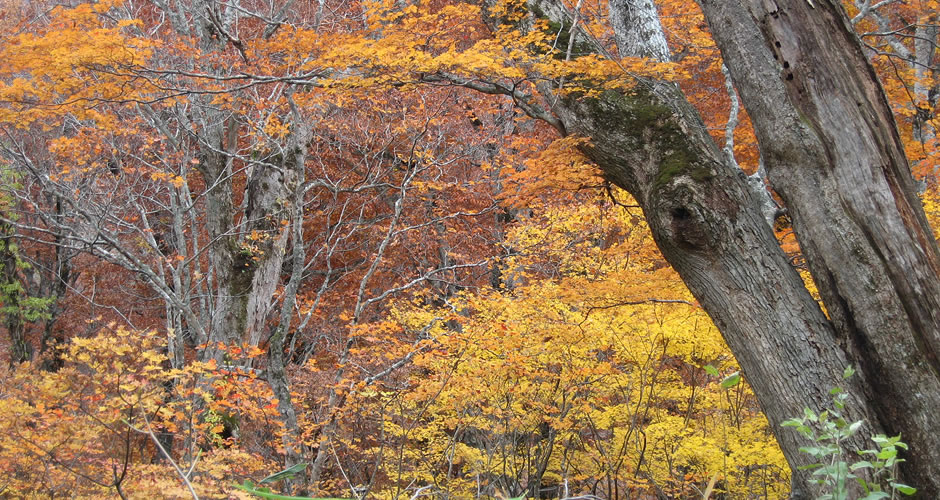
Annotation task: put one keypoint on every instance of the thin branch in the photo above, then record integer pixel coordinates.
(153, 437)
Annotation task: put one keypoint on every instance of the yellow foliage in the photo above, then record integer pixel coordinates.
(77, 63)
(82, 429)
(931, 200)
(589, 368)
(560, 166)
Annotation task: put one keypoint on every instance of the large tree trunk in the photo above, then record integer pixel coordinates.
(832, 150)
(246, 256)
(708, 224)
(837, 161)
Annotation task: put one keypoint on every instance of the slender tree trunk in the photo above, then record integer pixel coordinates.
(295, 450)
(227, 322)
(58, 287)
(10, 290)
(925, 47)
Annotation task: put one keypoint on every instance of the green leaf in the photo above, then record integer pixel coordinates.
(809, 414)
(880, 439)
(861, 482)
(864, 464)
(875, 495)
(811, 450)
(887, 453)
(903, 488)
(711, 370)
(854, 426)
(265, 493)
(285, 474)
(731, 380)
(849, 371)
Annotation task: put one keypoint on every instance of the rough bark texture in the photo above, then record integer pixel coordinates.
(709, 226)
(832, 150)
(638, 30)
(215, 168)
(247, 256)
(833, 153)
(294, 449)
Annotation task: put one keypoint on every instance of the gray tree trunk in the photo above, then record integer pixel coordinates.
(833, 152)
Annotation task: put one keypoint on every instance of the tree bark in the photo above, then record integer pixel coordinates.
(832, 150)
(708, 224)
(247, 257)
(295, 451)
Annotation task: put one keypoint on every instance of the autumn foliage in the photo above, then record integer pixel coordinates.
(338, 233)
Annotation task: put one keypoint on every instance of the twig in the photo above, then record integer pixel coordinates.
(343, 472)
(420, 491)
(160, 447)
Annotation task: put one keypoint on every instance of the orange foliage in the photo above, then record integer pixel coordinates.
(476, 308)
(89, 429)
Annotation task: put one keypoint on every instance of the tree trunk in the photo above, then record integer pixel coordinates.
(295, 450)
(247, 256)
(832, 150)
(10, 289)
(227, 320)
(708, 224)
(850, 194)
(58, 284)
